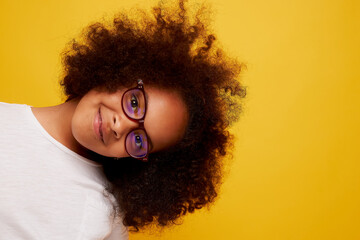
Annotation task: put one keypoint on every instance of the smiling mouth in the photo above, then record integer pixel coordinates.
(100, 127)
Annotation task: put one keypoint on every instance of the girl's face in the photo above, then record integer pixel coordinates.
(165, 121)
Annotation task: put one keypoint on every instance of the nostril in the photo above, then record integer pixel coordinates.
(115, 133)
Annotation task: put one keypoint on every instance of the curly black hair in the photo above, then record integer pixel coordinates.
(168, 50)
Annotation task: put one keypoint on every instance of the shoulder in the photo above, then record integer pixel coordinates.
(12, 113)
(118, 231)
(12, 106)
(100, 219)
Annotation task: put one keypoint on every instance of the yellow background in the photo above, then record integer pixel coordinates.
(296, 172)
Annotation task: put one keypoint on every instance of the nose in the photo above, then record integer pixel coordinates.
(122, 125)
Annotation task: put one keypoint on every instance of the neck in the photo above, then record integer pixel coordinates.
(56, 120)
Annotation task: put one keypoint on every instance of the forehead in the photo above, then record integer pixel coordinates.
(166, 117)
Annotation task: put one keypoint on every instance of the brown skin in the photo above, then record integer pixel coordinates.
(71, 123)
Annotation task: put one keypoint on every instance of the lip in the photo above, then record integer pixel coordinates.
(98, 126)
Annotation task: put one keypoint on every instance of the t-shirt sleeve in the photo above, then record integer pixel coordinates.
(119, 232)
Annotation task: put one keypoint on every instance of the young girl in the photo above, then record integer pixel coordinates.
(139, 140)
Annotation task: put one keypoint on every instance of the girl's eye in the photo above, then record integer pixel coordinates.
(134, 102)
(138, 141)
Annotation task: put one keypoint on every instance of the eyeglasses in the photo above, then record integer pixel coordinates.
(133, 104)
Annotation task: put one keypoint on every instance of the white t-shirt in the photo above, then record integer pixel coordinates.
(48, 191)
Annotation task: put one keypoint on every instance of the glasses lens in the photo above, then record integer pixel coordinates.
(134, 104)
(137, 143)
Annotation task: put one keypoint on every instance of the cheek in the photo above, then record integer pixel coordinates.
(81, 126)
(114, 150)
(79, 132)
